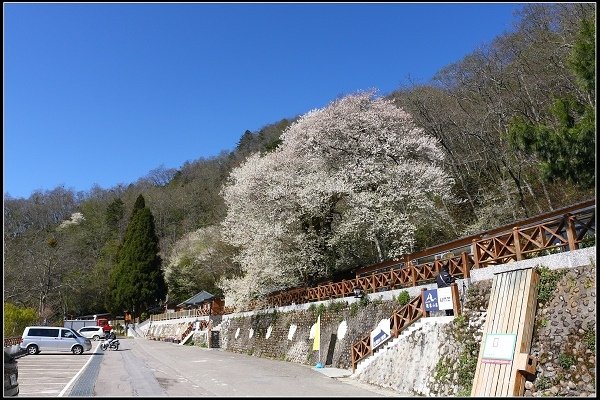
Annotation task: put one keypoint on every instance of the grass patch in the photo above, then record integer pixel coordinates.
(565, 360)
(548, 282)
(590, 339)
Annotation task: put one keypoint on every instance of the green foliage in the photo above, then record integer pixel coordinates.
(566, 360)
(588, 240)
(548, 281)
(583, 56)
(114, 213)
(321, 309)
(441, 370)
(354, 308)
(589, 339)
(543, 383)
(403, 298)
(137, 283)
(364, 300)
(467, 364)
(336, 306)
(565, 144)
(460, 321)
(17, 318)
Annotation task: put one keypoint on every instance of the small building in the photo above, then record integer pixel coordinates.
(204, 301)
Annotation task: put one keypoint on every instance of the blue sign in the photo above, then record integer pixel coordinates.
(379, 338)
(431, 300)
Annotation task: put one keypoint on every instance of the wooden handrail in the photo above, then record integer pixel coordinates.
(11, 341)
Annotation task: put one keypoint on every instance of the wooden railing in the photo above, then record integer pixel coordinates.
(197, 312)
(399, 320)
(564, 233)
(546, 233)
(11, 341)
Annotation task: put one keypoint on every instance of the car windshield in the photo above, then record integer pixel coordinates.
(77, 333)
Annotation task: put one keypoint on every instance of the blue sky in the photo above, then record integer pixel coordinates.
(104, 93)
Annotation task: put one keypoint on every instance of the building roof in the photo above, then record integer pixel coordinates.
(196, 299)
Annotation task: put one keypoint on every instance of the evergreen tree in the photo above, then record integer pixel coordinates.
(137, 282)
(565, 145)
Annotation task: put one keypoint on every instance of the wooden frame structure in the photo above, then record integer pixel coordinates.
(511, 313)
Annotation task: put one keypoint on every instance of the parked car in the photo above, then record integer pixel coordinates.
(92, 332)
(53, 338)
(11, 375)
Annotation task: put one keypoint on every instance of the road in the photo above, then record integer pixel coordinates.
(146, 368)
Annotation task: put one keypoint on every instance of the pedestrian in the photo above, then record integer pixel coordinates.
(445, 279)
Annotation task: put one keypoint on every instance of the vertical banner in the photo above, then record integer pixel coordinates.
(317, 342)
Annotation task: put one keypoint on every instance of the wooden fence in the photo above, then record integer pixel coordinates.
(561, 230)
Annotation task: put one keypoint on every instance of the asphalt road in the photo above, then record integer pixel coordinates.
(150, 368)
(145, 368)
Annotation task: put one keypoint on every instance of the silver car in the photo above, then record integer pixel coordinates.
(92, 332)
(53, 338)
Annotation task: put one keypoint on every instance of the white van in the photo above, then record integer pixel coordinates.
(53, 338)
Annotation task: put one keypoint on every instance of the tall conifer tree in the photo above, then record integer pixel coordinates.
(138, 281)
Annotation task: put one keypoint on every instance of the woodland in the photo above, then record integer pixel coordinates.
(505, 133)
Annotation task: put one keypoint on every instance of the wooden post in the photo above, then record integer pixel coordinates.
(353, 360)
(455, 299)
(517, 243)
(475, 252)
(464, 259)
(571, 233)
(423, 312)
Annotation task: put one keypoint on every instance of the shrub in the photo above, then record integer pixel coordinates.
(364, 300)
(17, 318)
(590, 339)
(565, 360)
(542, 383)
(403, 298)
(354, 309)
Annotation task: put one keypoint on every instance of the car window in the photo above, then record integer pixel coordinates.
(67, 334)
(45, 332)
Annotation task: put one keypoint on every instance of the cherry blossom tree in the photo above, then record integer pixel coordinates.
(348, 185)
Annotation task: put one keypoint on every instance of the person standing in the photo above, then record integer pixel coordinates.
(445, 279)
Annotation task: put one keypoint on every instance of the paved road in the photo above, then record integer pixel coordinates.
(148, 368)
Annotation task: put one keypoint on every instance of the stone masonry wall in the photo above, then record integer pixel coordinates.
(268, 334)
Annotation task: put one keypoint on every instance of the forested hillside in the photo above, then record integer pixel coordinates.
(505, 133)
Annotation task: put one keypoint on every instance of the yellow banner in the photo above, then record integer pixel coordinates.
(317, 342)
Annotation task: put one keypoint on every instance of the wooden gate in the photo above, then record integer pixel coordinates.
(504, 359)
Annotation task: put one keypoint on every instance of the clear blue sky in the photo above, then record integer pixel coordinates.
(104, 93)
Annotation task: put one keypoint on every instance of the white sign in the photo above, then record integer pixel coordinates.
(445, 298)
(499, 348)
(381, 333)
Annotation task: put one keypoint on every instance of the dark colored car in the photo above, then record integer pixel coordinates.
(11, 375)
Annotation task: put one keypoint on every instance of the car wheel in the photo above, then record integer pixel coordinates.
(32, 349)
(77, 350)
(96, 338)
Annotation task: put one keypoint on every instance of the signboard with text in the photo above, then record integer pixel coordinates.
(499, 348)
(438, 299)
